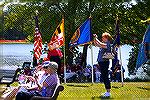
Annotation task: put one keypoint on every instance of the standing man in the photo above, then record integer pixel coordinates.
(56, 55)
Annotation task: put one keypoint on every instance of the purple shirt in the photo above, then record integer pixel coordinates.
(52, 81)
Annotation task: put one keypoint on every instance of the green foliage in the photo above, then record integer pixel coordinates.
(103, 17)
(75, 12)
(132, 59)
(1, 24)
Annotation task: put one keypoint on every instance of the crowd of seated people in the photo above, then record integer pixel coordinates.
(77, 73)
(45, 76)
(115, 72)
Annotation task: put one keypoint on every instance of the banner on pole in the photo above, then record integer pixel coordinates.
(37, 41)
(82, 34)
(57, 39)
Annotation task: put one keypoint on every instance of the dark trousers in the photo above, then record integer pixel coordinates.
(26, 95)
(58, 61)
(104, 73)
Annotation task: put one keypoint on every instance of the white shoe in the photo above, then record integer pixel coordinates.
(106, 94)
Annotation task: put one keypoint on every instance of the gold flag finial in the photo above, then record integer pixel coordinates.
(36, 12)
(144, 21)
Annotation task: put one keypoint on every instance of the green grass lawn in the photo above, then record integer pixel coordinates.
(89, 91)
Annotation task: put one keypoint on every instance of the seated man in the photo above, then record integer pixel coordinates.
(49, 80)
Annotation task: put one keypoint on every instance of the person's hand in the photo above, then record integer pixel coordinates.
(30, 78)
(95, 36)
(36, 78)
(95, 39)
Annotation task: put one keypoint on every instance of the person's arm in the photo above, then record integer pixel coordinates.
(32, 88)
(32, 79)
(38, 84)
(99, 43)
(44, 84)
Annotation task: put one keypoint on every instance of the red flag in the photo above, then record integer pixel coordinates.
(37, 44)
(57, 39)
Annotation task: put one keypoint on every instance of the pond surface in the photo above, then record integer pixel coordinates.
(13, 55)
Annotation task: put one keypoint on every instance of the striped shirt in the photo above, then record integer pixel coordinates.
(52, 81)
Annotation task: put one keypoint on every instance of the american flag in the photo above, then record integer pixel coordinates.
(57, 39)
(37, 41)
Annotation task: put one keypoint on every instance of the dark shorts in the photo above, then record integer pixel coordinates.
(26, 95)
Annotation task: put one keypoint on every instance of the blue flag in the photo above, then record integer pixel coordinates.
(144, 47)
(82, 34)
(115, 45)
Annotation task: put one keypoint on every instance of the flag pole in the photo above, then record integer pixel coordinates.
(119, 52)
(121, 67)
(91, 52)
(92, 63)
(64, 65)
(64, 58)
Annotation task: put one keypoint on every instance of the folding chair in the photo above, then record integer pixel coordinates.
(54, 97)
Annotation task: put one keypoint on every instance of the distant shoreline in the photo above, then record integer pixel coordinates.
(13, 41)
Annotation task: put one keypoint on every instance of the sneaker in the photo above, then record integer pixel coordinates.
(106, 94)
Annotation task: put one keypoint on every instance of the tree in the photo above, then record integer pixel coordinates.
(75, 12)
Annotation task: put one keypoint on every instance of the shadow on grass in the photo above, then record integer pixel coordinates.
(116, 87)
(144, 88)
(78, 85)
(102, 98)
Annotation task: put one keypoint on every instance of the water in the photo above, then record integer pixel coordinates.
(13, 55)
